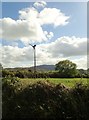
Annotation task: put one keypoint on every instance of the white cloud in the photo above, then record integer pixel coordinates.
(28, 13)
(81, 62)
(53, 16)
(68, 46)
(71, 48)
(22, 30)
(49, 35)
(40, 4)
(15, 56)
(46, 16)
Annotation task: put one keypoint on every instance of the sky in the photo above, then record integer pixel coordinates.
(59, 29)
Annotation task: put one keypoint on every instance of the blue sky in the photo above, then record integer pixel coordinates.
(77, 26)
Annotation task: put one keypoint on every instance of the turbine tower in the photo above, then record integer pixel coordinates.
(34, 48)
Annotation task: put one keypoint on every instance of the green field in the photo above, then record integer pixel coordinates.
(69, 82)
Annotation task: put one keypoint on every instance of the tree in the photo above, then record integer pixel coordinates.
(66, 68)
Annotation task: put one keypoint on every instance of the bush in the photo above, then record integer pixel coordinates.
(25, 73)
(45, 100)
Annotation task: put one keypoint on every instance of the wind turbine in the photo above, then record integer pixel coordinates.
(34, 48)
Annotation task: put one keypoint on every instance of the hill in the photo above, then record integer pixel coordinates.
(45, 67)
(39, 68)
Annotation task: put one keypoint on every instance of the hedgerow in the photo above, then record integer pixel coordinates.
(44, 100)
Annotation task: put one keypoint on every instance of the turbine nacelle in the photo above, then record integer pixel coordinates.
(33, 46)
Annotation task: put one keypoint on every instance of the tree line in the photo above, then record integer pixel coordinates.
(63, 69)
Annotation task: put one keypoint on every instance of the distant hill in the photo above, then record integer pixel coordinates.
(39, 68)
(45, 67)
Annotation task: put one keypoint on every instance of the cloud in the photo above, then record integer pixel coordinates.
(53, 16)
(49, 35)
(81, 62)
(15, 56)
(28, 13)
(40, 4)
(46, 16)
(71, 48)
(68, 46)
(22, 30)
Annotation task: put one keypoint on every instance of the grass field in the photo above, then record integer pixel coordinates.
(69, 82)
